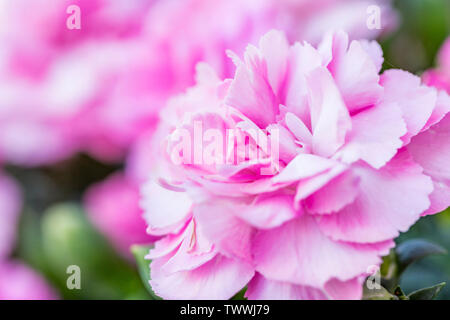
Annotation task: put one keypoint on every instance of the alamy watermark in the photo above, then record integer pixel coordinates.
(74, 20)
(373, 21)
(225, 147)
(373, 281)
(74, 280)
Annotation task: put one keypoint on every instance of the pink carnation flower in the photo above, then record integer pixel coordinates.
(355, 158)
(113, 206)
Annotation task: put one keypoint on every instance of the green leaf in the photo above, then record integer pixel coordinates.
(410, 251)
(240, 295)
(427, 293)
(377, 294)
(139, 252)
(388, 271)
(69, 239)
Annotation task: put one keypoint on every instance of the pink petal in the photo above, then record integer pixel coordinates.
(431, 149)
(218, 222)
(348, 290)
(304, 166)
(303, 59)
(357, 77)
(375, 136)
(307, 187)
(439, 198)
(193, 251)
(262, 289)
(250, 92)
(335, 195)
(329, 116)
(375, 51)
(218, 279)
(164, 209)
(441, 109)
(416, 101)
(390, 201)
(268, 211)
(298, 252)
(275, 49)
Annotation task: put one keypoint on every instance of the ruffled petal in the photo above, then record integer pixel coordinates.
(218, 279)
(164, 210)
(300, 253)
(390, 201)
(375, 136)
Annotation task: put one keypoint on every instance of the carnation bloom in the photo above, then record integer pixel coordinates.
(351, 160)
(112, 205)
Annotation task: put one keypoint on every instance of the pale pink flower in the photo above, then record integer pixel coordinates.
(350, 175)
(113, 207)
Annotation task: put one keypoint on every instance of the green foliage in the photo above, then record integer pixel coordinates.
(411, 251)
(64, 237)
(426, 293)
(393, 267)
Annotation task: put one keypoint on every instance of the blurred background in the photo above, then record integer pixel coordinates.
(78, 168)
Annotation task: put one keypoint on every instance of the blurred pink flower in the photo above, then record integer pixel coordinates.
(350, 175)
(440, 77)
(19, 282)
(97, 89)
(65, 90)
(113, 207)
(309, 20)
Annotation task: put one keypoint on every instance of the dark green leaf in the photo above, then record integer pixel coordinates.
(412, 250)
(240, 295)
(426, 293)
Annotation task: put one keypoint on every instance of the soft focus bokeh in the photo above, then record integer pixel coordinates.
(79, 109)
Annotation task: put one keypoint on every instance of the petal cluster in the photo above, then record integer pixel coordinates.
(330, 161)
